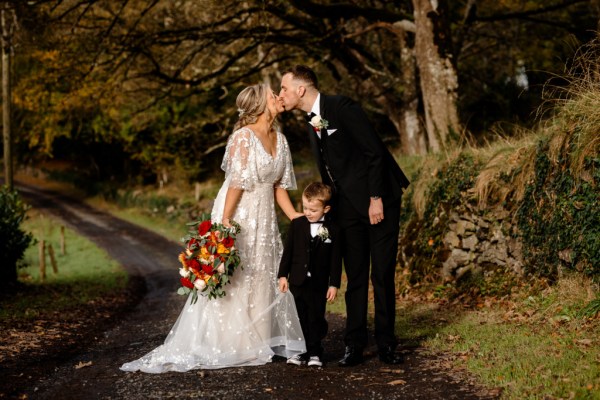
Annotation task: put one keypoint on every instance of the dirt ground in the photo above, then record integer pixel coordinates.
(84, 363)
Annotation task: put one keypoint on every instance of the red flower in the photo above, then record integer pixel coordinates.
(204, 227)
(187, 283)
(208, 269)
(191, 242)
(228, 242)
(194, 265)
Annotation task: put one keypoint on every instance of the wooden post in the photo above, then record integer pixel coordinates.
(52, 259)
(42, 260)
(63, 250)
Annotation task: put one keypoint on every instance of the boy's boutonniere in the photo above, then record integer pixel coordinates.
(323, 233)
(318, 123)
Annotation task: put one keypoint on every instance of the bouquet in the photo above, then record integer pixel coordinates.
(209, 259)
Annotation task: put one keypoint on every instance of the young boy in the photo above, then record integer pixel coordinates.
(312, 260)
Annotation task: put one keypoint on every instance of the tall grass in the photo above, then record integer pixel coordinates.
(572, 130)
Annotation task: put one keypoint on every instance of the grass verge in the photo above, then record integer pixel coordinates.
(85, 273)
(533, 346)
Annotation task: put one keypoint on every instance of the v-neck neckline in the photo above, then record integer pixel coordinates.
(263, 146)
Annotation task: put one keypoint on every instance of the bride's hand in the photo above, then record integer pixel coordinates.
(226, 223)
(297, 215)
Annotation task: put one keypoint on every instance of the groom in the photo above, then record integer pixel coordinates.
(368, 185)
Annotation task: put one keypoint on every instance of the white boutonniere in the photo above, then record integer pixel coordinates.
(323, 233)
(318, 123)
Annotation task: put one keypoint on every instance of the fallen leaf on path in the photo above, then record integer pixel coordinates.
(392, 371)
(83, 364)
(397, 382)
(585, 342)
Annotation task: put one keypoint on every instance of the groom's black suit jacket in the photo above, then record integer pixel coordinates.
(323, 259)
(359, 161)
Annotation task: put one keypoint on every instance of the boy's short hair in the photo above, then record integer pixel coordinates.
(318, 191)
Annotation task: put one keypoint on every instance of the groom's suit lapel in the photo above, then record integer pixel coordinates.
(322, 106)
(314, 141)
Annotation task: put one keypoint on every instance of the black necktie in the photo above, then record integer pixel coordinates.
(309, 116)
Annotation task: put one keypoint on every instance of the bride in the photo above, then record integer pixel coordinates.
(254, 321)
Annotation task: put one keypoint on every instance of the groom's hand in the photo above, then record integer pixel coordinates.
(283, 284)
(331, 293)
(376, 210)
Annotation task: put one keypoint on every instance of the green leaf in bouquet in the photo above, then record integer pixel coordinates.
(183, 291)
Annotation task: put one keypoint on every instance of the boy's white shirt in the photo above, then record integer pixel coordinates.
(315, 227)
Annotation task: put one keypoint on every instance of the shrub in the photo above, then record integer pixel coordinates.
(13, 240)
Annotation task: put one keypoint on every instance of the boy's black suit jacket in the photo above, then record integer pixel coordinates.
(297, 255)
(359, 161)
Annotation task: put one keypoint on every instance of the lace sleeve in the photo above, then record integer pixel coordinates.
(239, 162)
(288, 179)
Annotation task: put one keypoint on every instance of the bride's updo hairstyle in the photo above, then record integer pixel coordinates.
(251, 103)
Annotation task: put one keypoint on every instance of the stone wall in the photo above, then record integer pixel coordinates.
(479, 243)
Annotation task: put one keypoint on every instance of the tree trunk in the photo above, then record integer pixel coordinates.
(7, 17)
(438, 78)
(414, 140)
(404, 114)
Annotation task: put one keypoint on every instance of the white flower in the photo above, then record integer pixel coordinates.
(323, 233)
(184, 272)
(319, 122)
(199, 284)
(221, 268)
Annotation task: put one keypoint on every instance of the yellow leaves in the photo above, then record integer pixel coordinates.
(46, 55)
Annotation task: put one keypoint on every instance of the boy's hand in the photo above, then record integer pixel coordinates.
(331, 293)
(283, 284)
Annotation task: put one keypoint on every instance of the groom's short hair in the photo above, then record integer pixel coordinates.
(303, 73)
(318, 191)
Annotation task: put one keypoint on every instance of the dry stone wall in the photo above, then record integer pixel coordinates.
(479, 243)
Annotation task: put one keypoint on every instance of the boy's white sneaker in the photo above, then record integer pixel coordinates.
(315, 361)
(298, 359)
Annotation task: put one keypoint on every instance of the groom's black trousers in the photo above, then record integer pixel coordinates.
(365, 246)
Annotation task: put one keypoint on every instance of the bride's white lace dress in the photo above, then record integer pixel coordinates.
(254, 321)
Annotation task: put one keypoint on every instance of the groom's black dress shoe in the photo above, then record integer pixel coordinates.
(352, 357)
(388, 355)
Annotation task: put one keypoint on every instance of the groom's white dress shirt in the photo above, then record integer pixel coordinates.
(316, 108)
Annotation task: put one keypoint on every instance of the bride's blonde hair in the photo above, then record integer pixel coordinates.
(251, 103)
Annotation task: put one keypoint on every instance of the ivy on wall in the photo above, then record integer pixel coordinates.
(559, 217)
